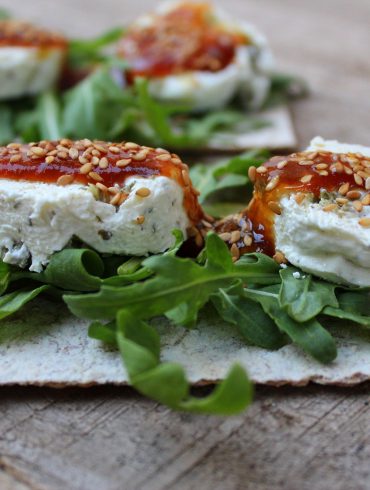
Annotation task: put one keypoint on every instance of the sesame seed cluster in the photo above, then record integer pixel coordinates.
(19, 33)
(345, 175)
(237, 232)
(102, 165)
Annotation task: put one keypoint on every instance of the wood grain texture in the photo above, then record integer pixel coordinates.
(111, 439)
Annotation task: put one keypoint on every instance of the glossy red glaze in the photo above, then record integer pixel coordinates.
(339, 172)
(186, 38)
(23, 34)
(22, 164)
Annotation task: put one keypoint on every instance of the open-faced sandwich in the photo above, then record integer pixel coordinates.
(94, 221)
(193, 53)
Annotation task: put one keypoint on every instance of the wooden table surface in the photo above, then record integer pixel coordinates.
(109, 438)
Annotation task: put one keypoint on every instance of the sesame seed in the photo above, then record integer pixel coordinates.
(341, 200)
(305, 162)
(73, 153)
(82, 160)
(95, 160)
(273, 183)
(101, 187)
(353, 195)
(131, 146)
(86, 168)
(261, 170)
(113, 190)
(225, 236)
(115, 199)
(65, 179)
(199, 240)
(299, 198)
(279, 257)
(15, 158)
(358, 206)
(367, 184)
(358, 179)
(235, 251)
(103, 162)
(164, 157)
(95, 176)
(49, 159)
(160, 150)
(40, 152)
(274, 206)
(235, 236)
(323, 173)
(306, 179)
(175, 161)
(365, 222)
(140, 219)
(206, 224)
(366, 200)
(143, 192)
(122, 198)
(348, 171)
(114, 149)
(123, 162)
(329, 207)
(100, 148)
(282, 164)
(62, 155)
(252, 174)
(185, 177)
(343, 189)
(247, 240)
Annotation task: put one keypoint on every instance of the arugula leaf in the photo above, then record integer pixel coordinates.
(133, 271)
(6, 124)
(211, 178)
(353, 305)
(12, 302)
(5, 274)
(82, 52)
(71, 269)
(49, 116)
(166, 383)
(253, 323)
(304, 298)
(92, 107)
(177, 282)
(309, 335)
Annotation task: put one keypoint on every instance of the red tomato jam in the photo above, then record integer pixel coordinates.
(187, 38)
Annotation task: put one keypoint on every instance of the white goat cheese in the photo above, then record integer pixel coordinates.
(332, 245)
(38, 219)
(28, 70)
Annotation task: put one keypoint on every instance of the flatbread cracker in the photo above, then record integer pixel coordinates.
(44, 345)
(279, 134)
